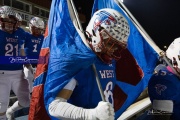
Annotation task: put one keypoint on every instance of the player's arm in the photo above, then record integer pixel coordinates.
(61, 109)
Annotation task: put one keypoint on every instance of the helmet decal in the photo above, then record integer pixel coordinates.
(104, 17)
(6, 11)
(37, 22)
(36, 26)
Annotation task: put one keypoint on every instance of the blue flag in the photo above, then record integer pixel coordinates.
(66, 54)
(134, 74)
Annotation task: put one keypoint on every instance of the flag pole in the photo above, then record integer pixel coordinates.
(76, 15)
(98, 83)
(160, 52)
(73, 8)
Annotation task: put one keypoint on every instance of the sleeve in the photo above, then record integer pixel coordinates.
(71, 85)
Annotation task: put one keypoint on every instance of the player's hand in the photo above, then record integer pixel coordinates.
(30, 68)
(34, 70)
(104, 111)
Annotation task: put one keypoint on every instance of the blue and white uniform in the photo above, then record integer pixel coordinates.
(11, 74)
(87, 86)
(33, 45)
(32, 49)
(10, 48)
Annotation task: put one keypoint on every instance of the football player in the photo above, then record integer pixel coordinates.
(78, 98)
(11, 74)
(164, 86)
(33, 44)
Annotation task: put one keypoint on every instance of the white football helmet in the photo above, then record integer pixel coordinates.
(173, 53)
(8, 19)
(36, 26)
(19, 20)
(108, 32)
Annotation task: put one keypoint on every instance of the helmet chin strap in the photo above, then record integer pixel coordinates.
(117, 54)
(105, 58)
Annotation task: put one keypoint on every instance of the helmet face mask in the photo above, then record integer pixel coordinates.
(36, 26)
(110, 45)
(108, 31)
(36, 31)
(8, 24)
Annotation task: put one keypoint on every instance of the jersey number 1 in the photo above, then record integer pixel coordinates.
(35, 48)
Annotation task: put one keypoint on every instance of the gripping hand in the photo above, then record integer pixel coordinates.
(104, 111)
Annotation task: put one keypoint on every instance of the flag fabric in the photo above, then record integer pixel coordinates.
(65, 54)
(135, 67)
(37, 109)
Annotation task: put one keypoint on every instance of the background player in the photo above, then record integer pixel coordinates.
(33, 44)
(164, 86)
(11, 74)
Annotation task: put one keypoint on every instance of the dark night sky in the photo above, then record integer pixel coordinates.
(159, 18)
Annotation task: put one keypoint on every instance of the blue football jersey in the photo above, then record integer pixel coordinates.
(86, 94)
(33, 45)
(10, 45)
(166, 86)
